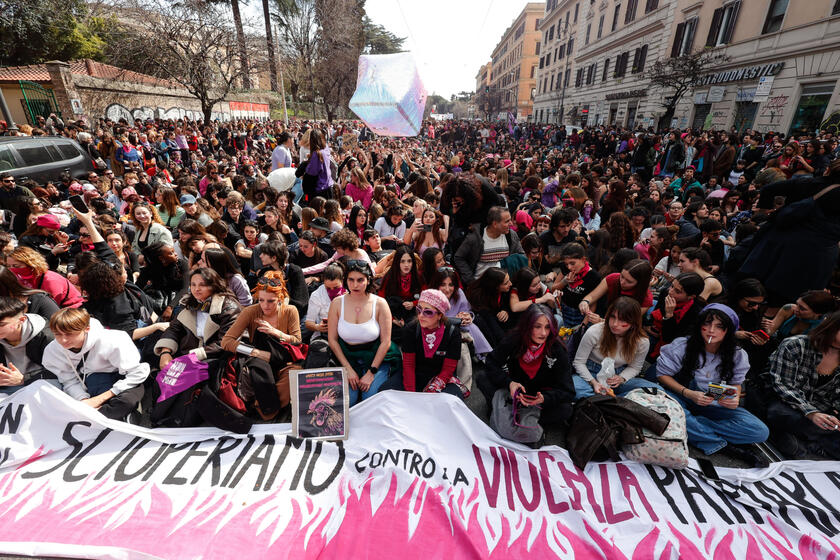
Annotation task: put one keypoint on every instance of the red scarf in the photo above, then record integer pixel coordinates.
(578, 279)
(531, 360)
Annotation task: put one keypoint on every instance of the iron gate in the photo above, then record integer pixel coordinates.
(37, 101)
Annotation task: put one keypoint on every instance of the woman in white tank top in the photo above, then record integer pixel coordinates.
(359, 333)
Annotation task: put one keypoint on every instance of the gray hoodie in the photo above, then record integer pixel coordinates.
(33, 325)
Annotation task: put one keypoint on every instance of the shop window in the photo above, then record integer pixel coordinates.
(775, 16)
(811, 108)
(700, 114)
(745, 115)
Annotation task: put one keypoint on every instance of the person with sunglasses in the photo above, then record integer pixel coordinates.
(431, 348)
(359, 333)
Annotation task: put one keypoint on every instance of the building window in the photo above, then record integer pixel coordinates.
(615, 17)
(621, 64)
(551, 83)
(567, 75)
(589, 30)
(579, 78)
(538, 48)
(577, 8)
(550, 34)
(651, 5)
(533, 70)
(775, 15)
(606, 69)
(684, 37)
(631, 10)
(559, 79)
(601, 26)
(562, 52)
(723, 24)
(536, 26)
(836, 9)
(810, 111)
(566, 25)
(570, 46)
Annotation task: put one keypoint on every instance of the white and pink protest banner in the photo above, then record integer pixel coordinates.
(419, 477)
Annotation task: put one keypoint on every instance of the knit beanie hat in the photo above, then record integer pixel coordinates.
(726, 310)
(436, 299)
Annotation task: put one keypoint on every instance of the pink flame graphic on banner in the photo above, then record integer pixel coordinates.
(380, 514)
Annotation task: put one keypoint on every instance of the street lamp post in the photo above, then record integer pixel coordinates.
(10, 122)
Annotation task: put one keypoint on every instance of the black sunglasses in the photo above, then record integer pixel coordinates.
(273, 282)
(358, 264)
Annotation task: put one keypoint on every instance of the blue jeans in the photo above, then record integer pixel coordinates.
(10, 389)
(711, 427)
(584, 389)
(378, 379)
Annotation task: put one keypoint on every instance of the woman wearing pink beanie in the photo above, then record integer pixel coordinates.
(431, 348)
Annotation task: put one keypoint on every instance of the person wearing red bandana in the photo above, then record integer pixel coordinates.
(677, 309)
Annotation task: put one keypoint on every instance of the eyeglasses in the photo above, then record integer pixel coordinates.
(426, 312)
(8, 180)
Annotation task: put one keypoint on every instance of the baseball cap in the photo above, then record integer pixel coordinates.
(187, 199)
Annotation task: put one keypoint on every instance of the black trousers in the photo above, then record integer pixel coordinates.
(120, 406)
(784, 418)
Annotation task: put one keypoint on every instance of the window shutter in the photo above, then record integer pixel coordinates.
(711, 40)
(690, 29)
(730, 26)
(642, 58)
(678, 38)
(635, 67)
(606, 69)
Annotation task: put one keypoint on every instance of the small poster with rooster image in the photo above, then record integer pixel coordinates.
(320, 403)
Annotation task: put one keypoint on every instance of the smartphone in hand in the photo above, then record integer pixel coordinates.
(79, 204)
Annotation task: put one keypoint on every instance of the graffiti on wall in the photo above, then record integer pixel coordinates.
(774, 107)
(117, 111)
(832, 123)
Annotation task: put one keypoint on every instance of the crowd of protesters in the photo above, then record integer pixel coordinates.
(537, 264)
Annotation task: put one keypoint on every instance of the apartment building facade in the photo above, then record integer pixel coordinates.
(782, 69)
(618, 40)
(557, 58)
(514, 64)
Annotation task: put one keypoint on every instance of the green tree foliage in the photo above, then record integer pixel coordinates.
(35, 31)
(379, 40)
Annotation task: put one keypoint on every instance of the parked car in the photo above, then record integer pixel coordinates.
(43, 158)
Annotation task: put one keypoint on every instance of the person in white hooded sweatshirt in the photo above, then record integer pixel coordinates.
(99, 367)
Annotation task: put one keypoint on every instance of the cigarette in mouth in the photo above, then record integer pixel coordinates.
(710, 340)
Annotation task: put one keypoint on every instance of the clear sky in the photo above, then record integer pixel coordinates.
(450, 39)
